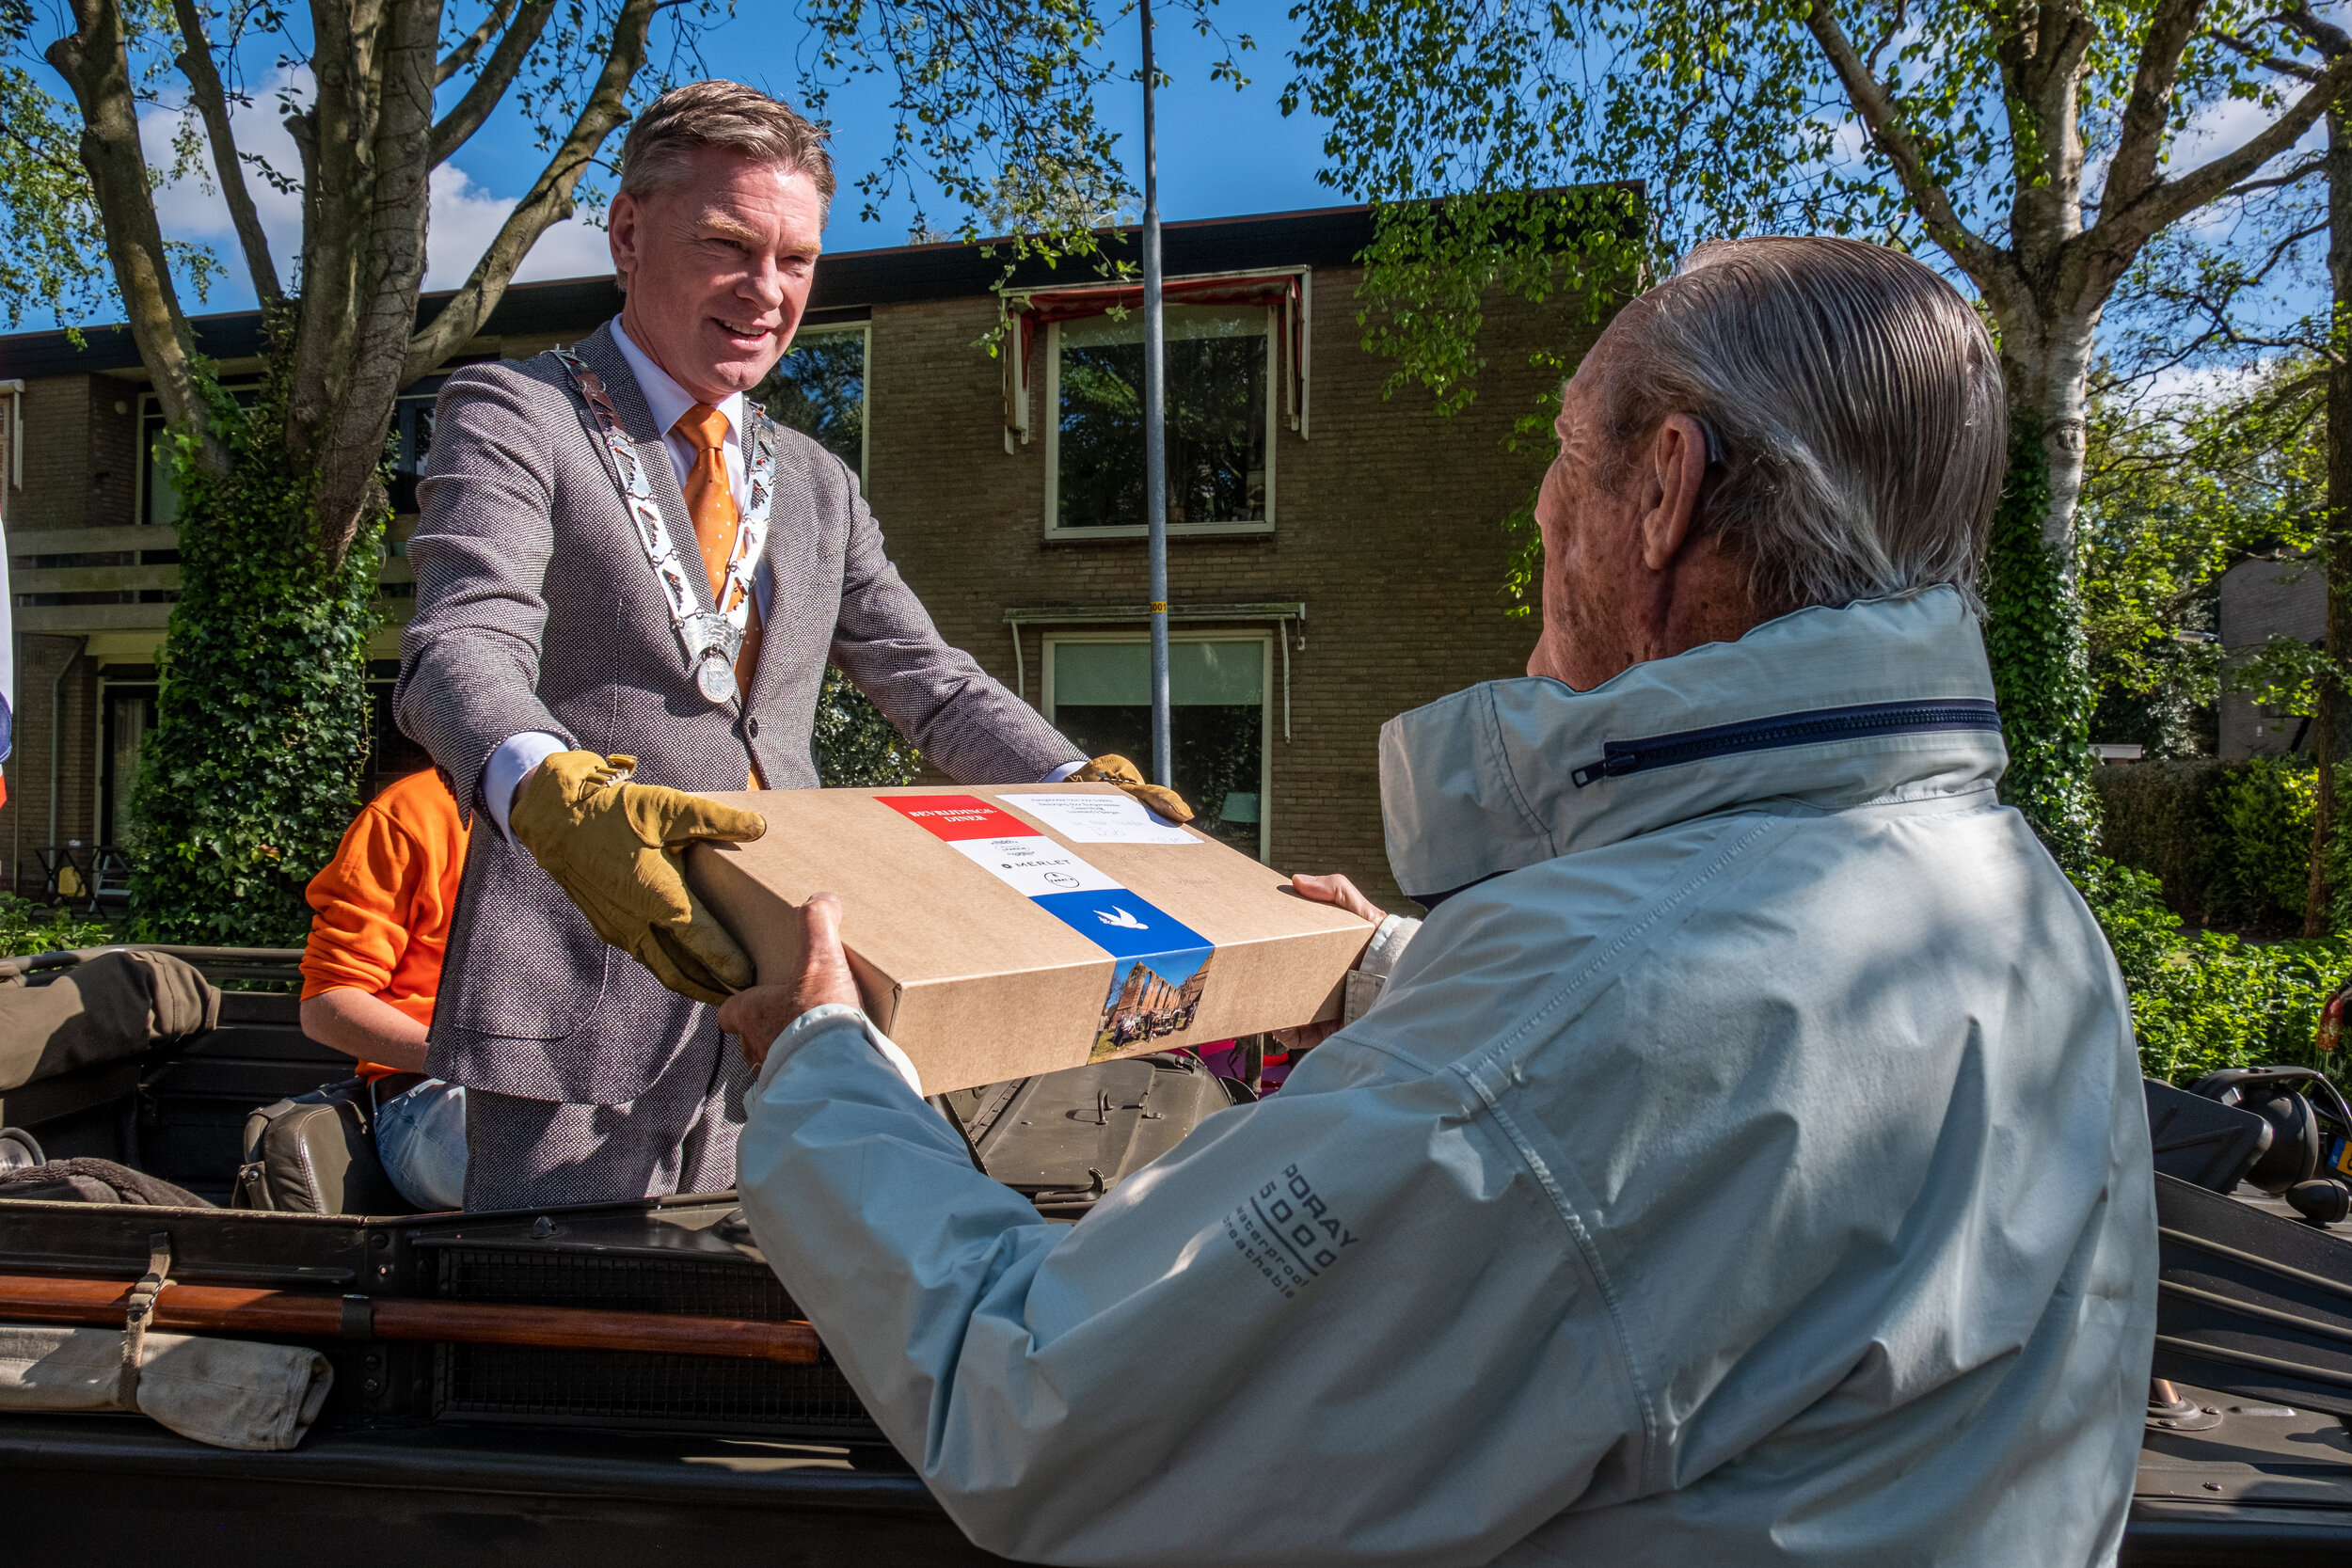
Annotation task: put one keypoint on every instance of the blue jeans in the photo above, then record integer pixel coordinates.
(421, 1137)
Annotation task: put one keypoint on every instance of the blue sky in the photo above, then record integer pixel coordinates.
(1221, 152)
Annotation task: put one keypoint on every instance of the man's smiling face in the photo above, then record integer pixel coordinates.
(718, 268)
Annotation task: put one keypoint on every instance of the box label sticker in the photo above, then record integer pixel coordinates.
(1033, 865)
(1100, 818)
(1159, 965)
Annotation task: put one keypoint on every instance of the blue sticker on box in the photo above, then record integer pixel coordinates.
(1159, 965)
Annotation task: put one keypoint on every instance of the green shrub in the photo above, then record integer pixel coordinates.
(2205, 1000)
(254, 768)
(29, 928)
(2157, 818)
(2231, 841)
(2265, 808)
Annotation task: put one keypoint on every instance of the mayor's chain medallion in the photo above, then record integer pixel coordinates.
(714, 679)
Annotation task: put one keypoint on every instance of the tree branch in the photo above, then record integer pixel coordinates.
(2269, 61)
(2125, 226)
(2293, 175)
(2330, 39)
(465, 115)
(212, 103)
(1884, 121)
(2150, 106)
(548, 202)
(95, 62)
(462, 56)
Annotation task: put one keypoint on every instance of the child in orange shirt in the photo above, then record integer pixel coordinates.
(373, 967)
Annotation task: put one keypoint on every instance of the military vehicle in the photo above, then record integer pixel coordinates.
(628, 1382)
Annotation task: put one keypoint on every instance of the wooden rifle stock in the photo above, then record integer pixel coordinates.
(243, 1310)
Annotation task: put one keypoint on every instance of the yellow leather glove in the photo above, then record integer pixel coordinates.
(1116, 770)
(617, 849)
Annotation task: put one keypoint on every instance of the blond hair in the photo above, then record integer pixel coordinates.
(720, 114)
(1856, 427)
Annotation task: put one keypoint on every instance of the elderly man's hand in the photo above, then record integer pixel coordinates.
(1325, 890)
(758, 1016)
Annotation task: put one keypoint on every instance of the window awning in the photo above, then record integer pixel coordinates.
(1288, 292)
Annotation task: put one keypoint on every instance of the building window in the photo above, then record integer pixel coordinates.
(159, 497)
(412, 441)
(391, 756)
(158, 504)
(818, 388)
(128, 716)
(1098, 692)
(1221, 429)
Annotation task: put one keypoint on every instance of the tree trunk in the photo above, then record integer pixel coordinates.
(2333, 725)
(379, 310)
(2033, 635)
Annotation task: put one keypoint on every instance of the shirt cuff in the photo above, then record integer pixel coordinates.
(822, 1017)
(1059, 775)
(509, 766)
(1369, 980)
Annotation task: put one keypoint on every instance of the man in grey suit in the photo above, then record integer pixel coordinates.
(558, 624)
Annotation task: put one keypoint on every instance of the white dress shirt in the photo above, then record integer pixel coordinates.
(518, 754)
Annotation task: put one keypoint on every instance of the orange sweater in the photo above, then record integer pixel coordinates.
(384, 902)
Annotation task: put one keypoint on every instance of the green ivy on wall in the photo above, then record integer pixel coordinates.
(255, 768)
(2033, 637)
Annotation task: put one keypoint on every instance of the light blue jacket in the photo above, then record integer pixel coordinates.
(1749, 1166)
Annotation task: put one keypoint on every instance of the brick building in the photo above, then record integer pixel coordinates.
(1335, 555)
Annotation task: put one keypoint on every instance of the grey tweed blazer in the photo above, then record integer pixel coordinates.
(535, 611)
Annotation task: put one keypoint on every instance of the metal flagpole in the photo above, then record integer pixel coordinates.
(1156, 426)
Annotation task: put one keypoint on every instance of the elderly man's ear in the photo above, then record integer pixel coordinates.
(1677, 465)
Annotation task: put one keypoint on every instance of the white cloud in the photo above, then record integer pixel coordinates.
(1850, 143)
(460, 221)
(2201, 383)
(464, 218)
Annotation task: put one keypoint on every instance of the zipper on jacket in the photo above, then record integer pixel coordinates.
(1789, 729)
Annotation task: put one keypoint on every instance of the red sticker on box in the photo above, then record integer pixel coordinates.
(955, 816)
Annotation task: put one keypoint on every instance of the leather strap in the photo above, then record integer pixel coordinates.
(137, 1313)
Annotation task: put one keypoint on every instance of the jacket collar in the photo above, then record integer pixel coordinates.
(1482, 781)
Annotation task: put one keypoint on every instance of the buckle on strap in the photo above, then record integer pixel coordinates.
(137, 1313)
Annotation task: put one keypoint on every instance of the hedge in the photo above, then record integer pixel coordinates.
(2205, 999)
(2230, 842)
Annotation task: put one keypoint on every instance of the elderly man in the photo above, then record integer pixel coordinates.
(1746, 1163)
(620, 553)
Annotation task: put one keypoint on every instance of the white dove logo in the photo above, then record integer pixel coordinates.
(1118, 916)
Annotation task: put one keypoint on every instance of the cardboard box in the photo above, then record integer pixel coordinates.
(1007, 930)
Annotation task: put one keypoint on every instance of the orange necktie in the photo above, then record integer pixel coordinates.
(711, 502)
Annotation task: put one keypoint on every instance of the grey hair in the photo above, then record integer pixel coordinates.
(1856, 427)
(720, 114)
